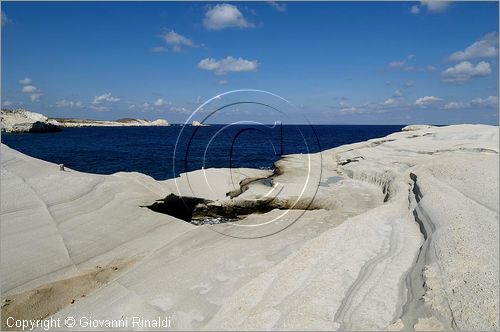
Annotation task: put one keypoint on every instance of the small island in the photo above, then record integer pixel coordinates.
(198, 124)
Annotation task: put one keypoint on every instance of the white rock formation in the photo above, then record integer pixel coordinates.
(400, 233)
(104, 123)
(198, 124)
(416, 127)
(160, 122)
(22, 121)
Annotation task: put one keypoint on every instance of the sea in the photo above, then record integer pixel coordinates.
(165, 152)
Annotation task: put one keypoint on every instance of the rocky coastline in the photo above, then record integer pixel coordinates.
(23, 121)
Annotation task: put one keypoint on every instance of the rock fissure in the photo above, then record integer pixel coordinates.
(414, 308)
(196, 210)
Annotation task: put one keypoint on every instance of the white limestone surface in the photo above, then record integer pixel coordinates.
(20, 121)
(397, 233)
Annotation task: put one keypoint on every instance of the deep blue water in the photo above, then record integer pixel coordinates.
(150, 150)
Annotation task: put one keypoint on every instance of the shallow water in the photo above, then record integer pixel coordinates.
(331, 180)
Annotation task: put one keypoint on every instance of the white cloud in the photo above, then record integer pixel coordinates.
(161, 102)
(427, 100)
(142, 107)
(4, 18)
(281, 7)
(400, 105)
(398, 93)
(158, 49)
(25, 81)
(29, 89)
(435, 6)
(69, 104)
(173, 38)
(100, 108)
(488, 102)
(107, 97)
(486, 47)
(407, 64)
(223, 16)
(35, 96)
(454, 105)
(179, 109)
(156, 105)
(347, 108)
(391, 101)
(371, 107)
(222, 82)
(401, 63)
(491, 101)
(7, 103)
(228, 64)
(464, 71)
(177, 41)
(393, 104)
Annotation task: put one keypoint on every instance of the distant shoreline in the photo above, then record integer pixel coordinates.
(23, 121)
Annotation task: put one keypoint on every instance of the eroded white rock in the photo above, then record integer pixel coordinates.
(415, 216)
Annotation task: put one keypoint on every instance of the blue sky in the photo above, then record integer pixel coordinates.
(338, 62)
